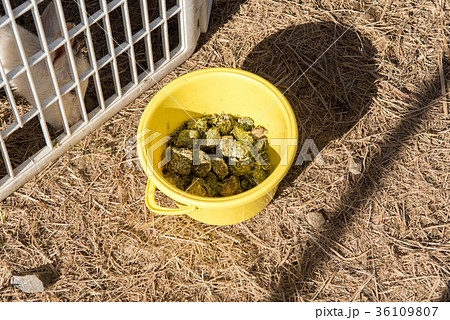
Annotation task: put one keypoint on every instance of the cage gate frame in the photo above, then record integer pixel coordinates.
(193, 18)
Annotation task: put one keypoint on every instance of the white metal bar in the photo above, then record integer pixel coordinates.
(91, 53)
(138, 36)
(156, 23)
(23, 8)
(205, 12)
(95, 17)
(51, 69)
(4, 20)
(104, 61)
(110, 43)
(129, 39)
(10, 96)
(6, 159)
(23, 57)
(165, 30)
(121, 48)
(147, 40)
(173, 11)
(32, 61)
(114, 5)
(69, 54)
(12, 127)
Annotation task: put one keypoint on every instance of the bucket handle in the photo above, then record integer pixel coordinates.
(153, 206)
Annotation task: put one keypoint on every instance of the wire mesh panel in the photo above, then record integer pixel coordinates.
(66, 66)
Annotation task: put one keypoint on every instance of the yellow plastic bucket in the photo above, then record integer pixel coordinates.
(209, 91)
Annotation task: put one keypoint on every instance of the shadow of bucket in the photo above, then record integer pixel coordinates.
(208, 91)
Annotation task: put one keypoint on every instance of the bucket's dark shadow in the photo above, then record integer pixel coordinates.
(352, 200)
(326, 71)
(328, 100)
(328, 74)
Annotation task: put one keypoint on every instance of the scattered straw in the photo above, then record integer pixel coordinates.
(375, 95)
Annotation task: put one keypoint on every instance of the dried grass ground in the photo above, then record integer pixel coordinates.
(376, 94)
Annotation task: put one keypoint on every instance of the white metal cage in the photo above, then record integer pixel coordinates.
(133, 43)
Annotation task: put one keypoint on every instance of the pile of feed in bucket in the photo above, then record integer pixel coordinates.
(217, 155)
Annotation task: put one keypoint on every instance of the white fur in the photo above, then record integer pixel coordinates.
(10, 58)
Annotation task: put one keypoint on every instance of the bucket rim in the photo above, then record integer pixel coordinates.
(256, 192)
